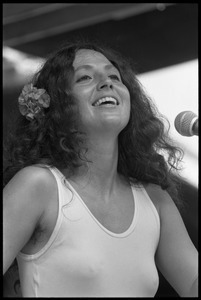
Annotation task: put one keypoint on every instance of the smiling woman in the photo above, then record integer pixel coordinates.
(98, 89)
(86, 180)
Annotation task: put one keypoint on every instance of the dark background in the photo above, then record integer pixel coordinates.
(154, 35)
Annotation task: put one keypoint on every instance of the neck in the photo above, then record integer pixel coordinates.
(100, 172)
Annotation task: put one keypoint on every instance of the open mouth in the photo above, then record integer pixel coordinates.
(106, 101)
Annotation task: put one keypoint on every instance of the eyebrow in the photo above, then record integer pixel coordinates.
(89, 67)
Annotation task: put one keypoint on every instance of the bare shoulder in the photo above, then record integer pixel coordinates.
(33, 181)
(31, 176)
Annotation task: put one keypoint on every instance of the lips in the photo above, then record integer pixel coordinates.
(109, 101)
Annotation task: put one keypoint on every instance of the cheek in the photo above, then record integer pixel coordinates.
(127, 105)
(82, 95)
(82, 100)
(127, 112)
(124, 92)
(126, 97)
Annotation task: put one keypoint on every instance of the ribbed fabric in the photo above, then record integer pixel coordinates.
(84, 259)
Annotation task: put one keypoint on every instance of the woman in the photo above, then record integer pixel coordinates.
(89, 183)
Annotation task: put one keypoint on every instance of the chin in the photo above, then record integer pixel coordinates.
(114, 124)
(108, 124)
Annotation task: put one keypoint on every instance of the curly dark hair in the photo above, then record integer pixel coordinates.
(146, 152)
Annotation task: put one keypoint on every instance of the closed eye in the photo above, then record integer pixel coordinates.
(84, 77)
(115, 77)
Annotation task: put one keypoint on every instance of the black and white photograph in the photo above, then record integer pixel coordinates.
(100, 150)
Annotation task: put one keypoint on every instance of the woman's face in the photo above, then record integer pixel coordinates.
(103, 100)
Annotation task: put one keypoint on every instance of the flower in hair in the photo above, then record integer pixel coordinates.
(32, 101)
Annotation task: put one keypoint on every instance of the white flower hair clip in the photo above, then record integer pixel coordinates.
(32, 101)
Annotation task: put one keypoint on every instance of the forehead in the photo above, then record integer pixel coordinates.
(88, 57)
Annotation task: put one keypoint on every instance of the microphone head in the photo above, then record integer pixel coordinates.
(184, 122)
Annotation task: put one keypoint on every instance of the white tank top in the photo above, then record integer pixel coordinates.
(84, 259)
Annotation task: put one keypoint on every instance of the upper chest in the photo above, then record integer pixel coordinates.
(116, 214)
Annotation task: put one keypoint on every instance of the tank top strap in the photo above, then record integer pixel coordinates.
(146, 202)
(64, 193)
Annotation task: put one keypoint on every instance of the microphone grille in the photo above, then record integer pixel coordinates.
(184, 122)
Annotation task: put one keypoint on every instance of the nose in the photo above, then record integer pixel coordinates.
(105, 84)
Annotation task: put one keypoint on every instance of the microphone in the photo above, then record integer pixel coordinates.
(186, 123)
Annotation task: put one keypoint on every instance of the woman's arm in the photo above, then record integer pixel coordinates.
(24, 199)
(176, 256)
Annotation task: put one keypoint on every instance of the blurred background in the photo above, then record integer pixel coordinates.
(161, 39)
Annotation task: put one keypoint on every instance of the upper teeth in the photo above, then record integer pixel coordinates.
(100, 101)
